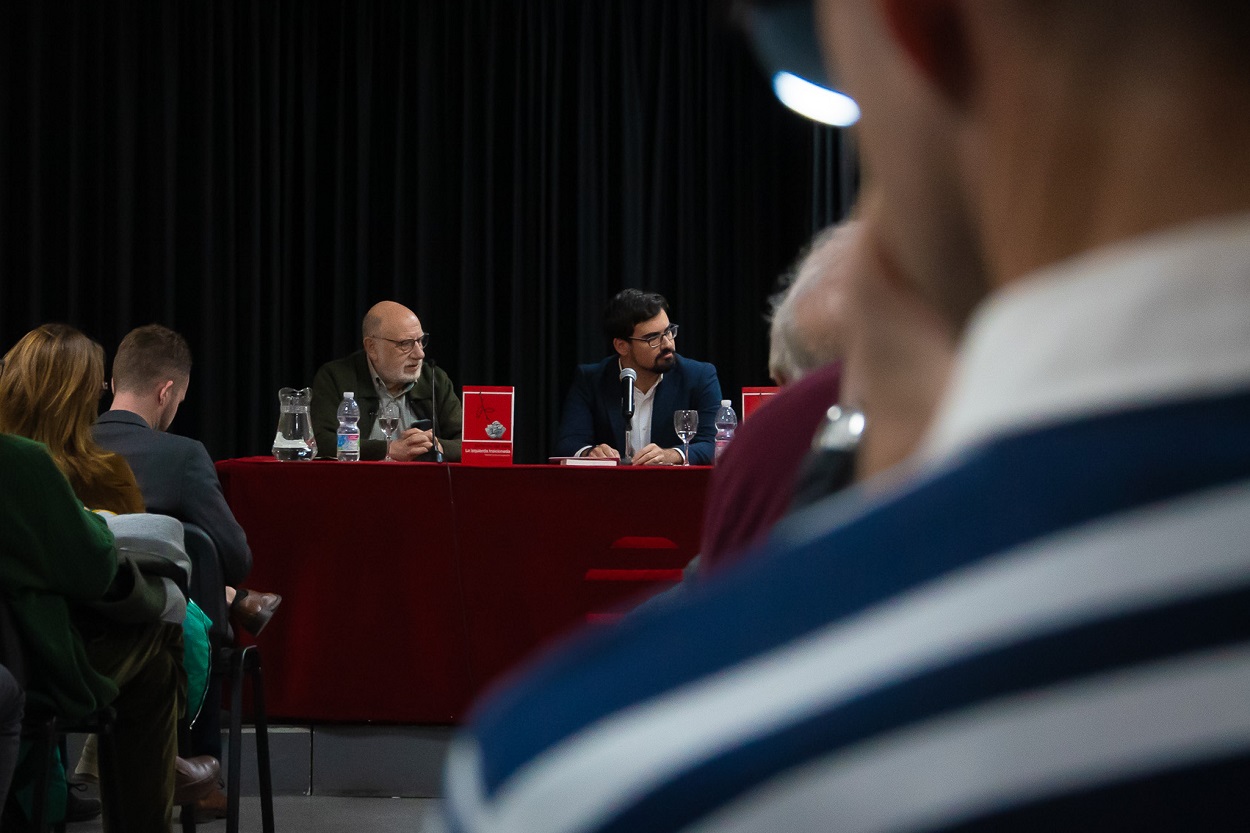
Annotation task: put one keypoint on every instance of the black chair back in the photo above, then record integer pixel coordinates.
(207, 581)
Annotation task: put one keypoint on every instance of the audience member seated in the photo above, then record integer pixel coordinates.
(57, 558)
(1042, 627)
(644, 341)
(151, 376)
(391, 366)
(752, 485)
(50, 387)
(49, 400)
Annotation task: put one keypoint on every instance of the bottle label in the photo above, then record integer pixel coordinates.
(349, 443)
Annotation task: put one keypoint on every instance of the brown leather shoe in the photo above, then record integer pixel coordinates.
(211, 806)
(194, 778)
(252, 610)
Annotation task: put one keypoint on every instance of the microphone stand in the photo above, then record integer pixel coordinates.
(438, 452)
(628, 376)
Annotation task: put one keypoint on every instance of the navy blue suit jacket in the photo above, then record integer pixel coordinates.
(592, 412)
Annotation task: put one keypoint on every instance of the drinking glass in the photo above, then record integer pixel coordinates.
(685, 423)
(388, 421)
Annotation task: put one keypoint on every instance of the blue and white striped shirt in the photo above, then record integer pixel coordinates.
(1046, 627)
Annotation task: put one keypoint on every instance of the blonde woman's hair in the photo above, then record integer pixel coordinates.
(50, 386)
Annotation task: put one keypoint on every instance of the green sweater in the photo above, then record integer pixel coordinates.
(352, 373)
(55, 556)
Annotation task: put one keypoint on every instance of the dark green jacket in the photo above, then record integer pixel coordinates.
(55, 558)
(352, 373)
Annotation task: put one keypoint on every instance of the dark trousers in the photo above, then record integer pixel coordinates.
(12, 703)
(146, 663)
(206, 733)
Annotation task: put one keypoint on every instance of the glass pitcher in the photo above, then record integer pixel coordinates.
(294, 439)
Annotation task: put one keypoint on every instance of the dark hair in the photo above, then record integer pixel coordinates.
(629, 307)
(148, 356)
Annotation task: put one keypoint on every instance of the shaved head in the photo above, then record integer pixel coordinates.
(384, 316)
(392, 335)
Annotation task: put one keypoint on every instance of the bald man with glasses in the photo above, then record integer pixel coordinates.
(644, 341)
(391, 367)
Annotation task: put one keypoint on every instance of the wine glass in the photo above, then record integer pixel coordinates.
(685, 423)
(388, 421)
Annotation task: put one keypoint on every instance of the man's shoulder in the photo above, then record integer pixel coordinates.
(114, 424)
(694, 368)
(861, 576)
(439, 375)
(353, 364)
(118, 420)
(188, 446)
(338, 375)
(599, 367)
(593, 373)
(113, 432)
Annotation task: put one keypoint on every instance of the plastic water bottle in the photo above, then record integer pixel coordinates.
(726, 424)
(349, 430)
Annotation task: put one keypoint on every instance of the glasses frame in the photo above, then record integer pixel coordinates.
(424, 341)
(656, 340)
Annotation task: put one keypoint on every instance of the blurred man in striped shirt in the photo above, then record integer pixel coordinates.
(1044, 626)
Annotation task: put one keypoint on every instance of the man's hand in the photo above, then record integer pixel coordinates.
(603, 450)
(653, 455)
(900, 348)
(411, 445)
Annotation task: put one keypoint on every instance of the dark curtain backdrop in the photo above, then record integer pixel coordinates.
(257, 174)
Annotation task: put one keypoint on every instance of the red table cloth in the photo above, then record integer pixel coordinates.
(409, 588)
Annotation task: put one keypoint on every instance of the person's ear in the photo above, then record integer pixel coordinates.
(621, 346)
(933, 36)
(163, 393)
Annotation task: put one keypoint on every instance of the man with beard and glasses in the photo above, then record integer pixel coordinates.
(392, 366)
(645, 341)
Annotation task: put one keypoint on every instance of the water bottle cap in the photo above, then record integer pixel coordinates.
(347, 394)
(726, 402)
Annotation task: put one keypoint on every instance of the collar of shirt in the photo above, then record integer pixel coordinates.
(640, 425)
(380, 386)
(1147, 321)
(406, 414)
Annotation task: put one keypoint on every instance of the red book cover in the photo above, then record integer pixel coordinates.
(487, 424)
(754, 398)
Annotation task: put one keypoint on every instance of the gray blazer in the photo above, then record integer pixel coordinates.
(177, 478)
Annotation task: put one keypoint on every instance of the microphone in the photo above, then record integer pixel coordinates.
(438, 452)
(628, 377)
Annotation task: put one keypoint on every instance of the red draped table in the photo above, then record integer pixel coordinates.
(408, 588)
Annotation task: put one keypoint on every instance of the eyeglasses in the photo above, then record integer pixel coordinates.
(654, 339)
(406, 345)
